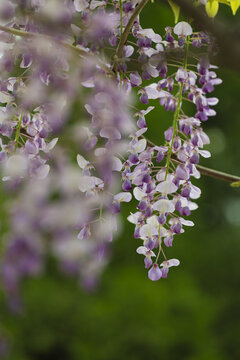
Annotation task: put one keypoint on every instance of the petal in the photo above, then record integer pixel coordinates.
(182, 29)
(133, 218)
(154, 273)
(140, 145)
(164, 206)
(42, 171)
(195, 192)
(148, 231)
(16, 165)
(82, 162)
(212, 101)
(117, 164)
(173, 262)
(142, 250)
(80, 5)
(123, 197)
(50, 145)
(138, 193)
(204, 153)
(128, 50)
(88, 183)
(110, 133)
(150, 34)
(152, 91)
(166, 187)
(186, 222)
(153, 220)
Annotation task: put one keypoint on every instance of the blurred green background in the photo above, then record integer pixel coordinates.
(194, 314)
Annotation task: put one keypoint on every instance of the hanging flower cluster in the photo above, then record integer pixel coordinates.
(161, 175)
(58, 56)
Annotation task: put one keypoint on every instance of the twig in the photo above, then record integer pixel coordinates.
(64, 44)
(18, 131)
(217, 174)
(128, 27)
(23, 33)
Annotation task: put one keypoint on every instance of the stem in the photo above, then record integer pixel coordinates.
(23, 33)
(121, 16)
(176, 114)
(175, 119)
(100, 213)
(217, 174)
(128, 27)
(121, 30)
(160, 244)
(18, 131)
(66, 45)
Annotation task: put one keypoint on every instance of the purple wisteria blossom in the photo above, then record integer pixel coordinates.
(160, 176)
(65, 166)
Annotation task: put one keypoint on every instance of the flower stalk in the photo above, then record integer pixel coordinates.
(176, 114)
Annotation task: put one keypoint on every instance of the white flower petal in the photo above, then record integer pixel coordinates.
(186, 222)
(150, 34)
(204, 153)
(94, 4)
(148, 231)
(212, 101)
(49, 146)
(117, 164)
(182, 29)
(42, 171)
(140, 145)
(82, 162)
(128, 50)
(5, 97)
(123, 197)
(138, 193)
(152, 220)
(170, 263)
(100, 151)
(81, 5)
(166, 187)
(195, 192)
(164, 206)
(152, 91)
(88, 183)
(16, 165)
(142, 250)
(133, 218)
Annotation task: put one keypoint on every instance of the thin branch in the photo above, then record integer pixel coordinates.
(217, 174)
(64, 44)
(176, 113)
(18, 131)
(128, 27)
(23, 33)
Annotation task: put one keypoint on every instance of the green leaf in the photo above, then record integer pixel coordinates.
(234, 5)
(176, 10)
(235, 184)
(212, 8)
